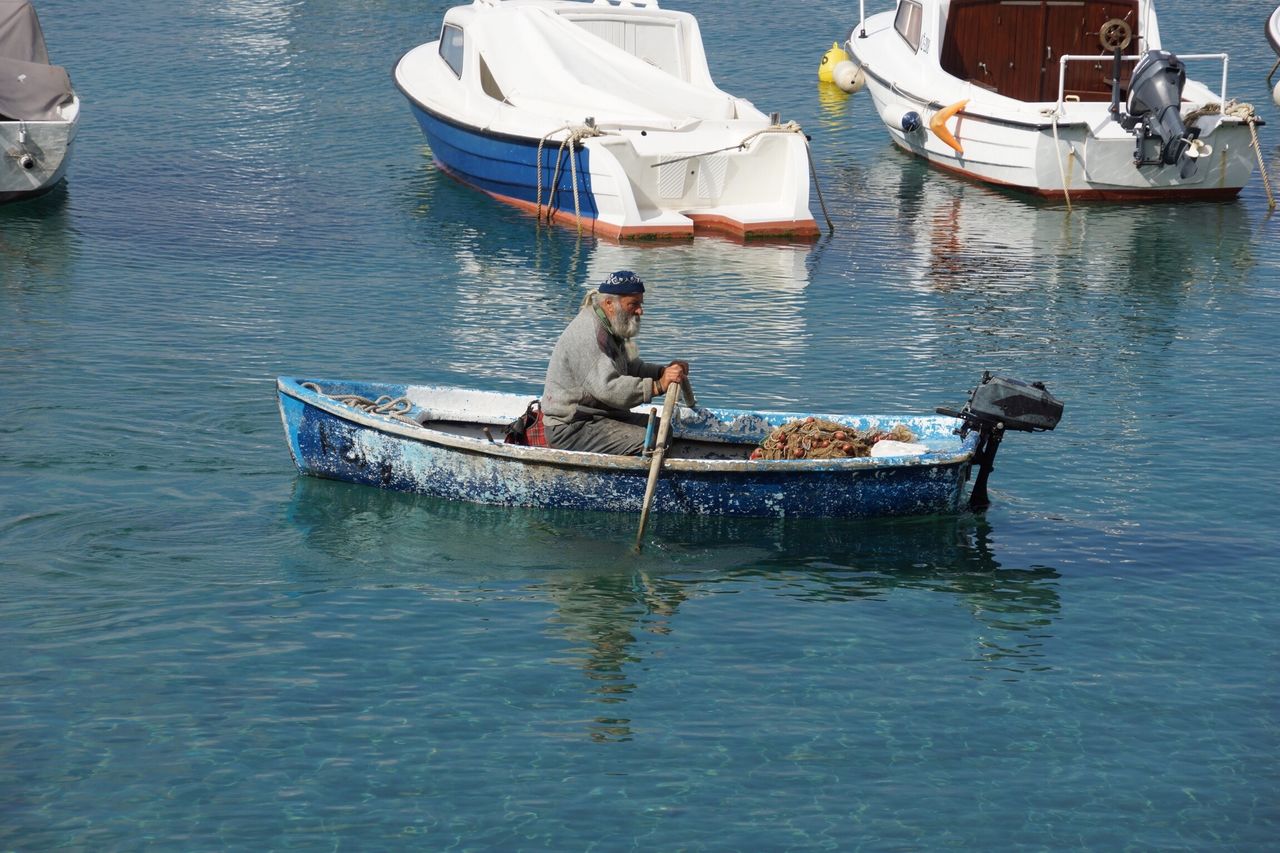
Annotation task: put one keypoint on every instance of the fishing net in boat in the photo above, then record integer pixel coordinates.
(817, 438)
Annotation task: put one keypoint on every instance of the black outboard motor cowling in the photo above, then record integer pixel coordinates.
(997, 404)
(1155, 103)
(1018, 405)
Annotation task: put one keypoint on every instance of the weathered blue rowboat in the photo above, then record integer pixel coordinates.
(447, 442)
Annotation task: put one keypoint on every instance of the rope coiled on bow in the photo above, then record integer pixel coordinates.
(396, 408)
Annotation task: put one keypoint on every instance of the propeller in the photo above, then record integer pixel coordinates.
(1191, 157)
(1198, 149)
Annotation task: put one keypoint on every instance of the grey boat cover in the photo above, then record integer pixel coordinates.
(30, 88)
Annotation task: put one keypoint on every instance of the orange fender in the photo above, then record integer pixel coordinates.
(938, 124)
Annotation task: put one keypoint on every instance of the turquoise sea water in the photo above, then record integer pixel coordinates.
(203, 651)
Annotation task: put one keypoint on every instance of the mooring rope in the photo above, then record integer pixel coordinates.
(789, 127)
(822, 202)
(575, 135)
(1212, 109)
(1066, 190)
(386, 405)
(1243, 110)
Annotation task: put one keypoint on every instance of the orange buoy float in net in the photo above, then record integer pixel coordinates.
(938, 124)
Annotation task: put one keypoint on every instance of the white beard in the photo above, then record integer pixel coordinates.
(626, 326)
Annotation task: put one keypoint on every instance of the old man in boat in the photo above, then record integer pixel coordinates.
(595, 375)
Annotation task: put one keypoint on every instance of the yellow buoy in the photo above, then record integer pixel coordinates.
(829, 60)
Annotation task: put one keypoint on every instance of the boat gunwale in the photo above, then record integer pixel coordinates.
(970, 113)
(72, 106)
(43, 121)
(489, 133)
(292, 387)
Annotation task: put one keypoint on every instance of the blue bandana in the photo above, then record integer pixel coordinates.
(622, 283)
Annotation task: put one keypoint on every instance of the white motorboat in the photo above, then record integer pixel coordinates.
(39, 110)
(604, 114)
(1074, 98)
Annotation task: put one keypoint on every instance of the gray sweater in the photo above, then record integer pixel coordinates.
(590, 375)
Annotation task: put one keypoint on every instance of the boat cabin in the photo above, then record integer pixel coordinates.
(666, 40)
(1012, 47)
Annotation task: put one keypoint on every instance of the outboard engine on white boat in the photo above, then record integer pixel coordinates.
(1154, 112)
(997, 404)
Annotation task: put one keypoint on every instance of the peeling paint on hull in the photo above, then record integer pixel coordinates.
(330, 440)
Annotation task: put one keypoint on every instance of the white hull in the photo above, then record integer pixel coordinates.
(34, 154)
(1065, 147)
(1091, 156)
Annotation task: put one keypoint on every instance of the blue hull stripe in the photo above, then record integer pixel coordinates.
(505, 165)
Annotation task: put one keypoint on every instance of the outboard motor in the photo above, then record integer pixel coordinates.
(997, 404)
(1154, 104)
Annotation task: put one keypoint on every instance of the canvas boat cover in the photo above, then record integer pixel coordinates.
(560, 68)
(30, 88)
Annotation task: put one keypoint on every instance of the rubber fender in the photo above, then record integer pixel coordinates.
(938, 124)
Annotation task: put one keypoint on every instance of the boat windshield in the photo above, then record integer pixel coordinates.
(451, 42)
(907, 22)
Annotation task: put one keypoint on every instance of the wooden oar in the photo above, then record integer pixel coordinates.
(689, 399)
(659, 451)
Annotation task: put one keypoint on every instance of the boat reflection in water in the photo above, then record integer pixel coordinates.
(613, 608)
(37, 247)
(967, 236)
(520, 301)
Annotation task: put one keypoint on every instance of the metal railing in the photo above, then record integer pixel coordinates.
(1062, 70)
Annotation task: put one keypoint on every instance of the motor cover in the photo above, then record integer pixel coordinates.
(1156, 83)
(1155, 99)
(1018, 405)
